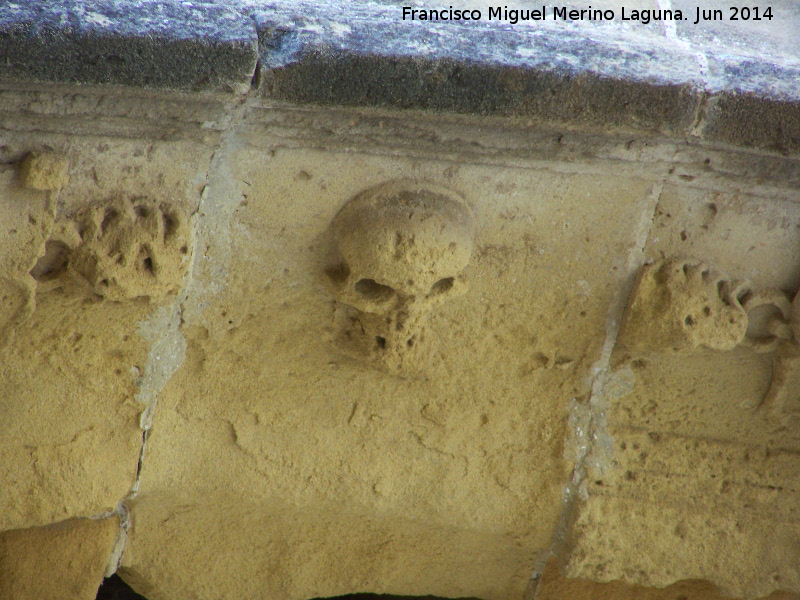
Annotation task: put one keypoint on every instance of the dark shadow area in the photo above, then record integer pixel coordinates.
(113, 588)
(388, 597)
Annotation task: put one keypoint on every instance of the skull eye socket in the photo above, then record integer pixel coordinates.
(373, 291)
(441, 286)
(338, 274)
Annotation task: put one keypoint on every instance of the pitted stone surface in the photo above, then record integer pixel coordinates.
(72, 361)
(132, 247)
(460, 453)
(704, 481)
(44, 171)
(321, 475)
(402, 248)
(682, 304)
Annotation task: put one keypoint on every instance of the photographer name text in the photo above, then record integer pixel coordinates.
(565, 13)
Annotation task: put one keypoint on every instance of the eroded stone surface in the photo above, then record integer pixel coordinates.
(70, 433)
(27, 217)
(680, 305)
(704, 484)
(271, 440)
(782, 399)
(291, 559)
(554, 586)
(724, 505)
(44, 171)
(403, 247)
(132, 247)
(347, 490)
(71, 360)
(63, 560)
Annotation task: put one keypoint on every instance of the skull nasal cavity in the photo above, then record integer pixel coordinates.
(374, 291)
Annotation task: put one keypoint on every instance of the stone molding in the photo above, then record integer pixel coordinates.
(581, 74)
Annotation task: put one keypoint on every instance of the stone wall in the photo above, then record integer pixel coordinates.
(290, 310)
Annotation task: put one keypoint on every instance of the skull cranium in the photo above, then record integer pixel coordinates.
(403, 246)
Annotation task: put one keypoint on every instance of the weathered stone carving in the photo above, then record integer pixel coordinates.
(684, 304)
(782, 400)
(768, 312)
(44, 171)
(403, 247)
(124, 248)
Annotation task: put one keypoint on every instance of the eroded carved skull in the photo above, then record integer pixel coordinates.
(684, 304)
(127, 248)
(403, 247)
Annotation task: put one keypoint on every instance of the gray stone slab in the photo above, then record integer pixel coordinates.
(741, 28)
(366, 55)
(752, 121)
(757, 106)
(177, 44)
(656, 78)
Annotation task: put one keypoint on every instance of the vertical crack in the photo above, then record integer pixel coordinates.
(703, 104)
(594, 444)
(115, 557)
(162, 330)
(167, 353)
(135, 487)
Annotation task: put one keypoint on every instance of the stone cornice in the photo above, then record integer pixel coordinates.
(662, 79)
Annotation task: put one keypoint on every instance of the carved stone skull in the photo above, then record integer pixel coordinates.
(403, 247)
(679, 305)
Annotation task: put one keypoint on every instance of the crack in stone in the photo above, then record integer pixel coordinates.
(135, 488)
(167, 353)
(700, 116)
(115, 557)
(162, 330)
(588, 417)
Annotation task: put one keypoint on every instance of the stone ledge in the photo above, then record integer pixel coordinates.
(364, 54)
(752, 121)
(547, 73)
(164, 45)
(348, 79)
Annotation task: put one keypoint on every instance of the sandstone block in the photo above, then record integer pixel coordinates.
(58, 561)
(553, 585)
(342, 477)
(73, 361)
(700, 483)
